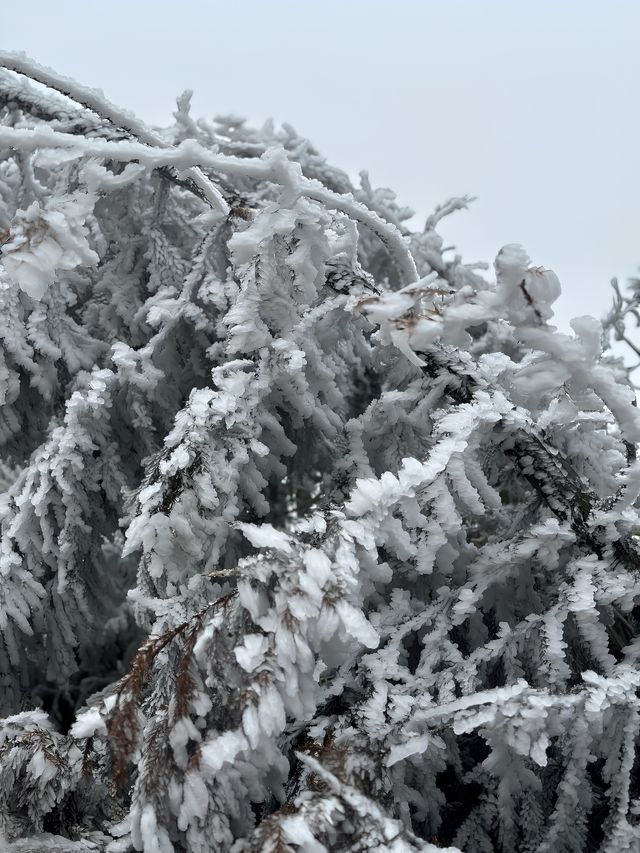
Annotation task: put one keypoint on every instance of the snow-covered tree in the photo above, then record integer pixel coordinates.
(313, 536)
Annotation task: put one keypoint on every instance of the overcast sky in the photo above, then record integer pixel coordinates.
(530, 106)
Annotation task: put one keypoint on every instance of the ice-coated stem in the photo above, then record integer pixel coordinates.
(94, 100)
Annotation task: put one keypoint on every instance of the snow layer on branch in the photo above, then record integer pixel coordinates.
(45, 240)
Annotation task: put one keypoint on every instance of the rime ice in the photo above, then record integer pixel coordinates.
(313, 539)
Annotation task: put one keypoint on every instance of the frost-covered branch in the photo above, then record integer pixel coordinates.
(96, 102)
(273, 166)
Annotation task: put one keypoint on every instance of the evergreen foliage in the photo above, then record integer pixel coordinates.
(312, 537)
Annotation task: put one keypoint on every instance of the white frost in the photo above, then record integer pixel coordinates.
(46, 239)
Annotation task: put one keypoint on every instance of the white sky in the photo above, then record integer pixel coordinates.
(530, 106)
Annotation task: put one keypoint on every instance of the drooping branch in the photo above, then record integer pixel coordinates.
(273, 166)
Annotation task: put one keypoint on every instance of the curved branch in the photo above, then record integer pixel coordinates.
(273, 166)
(385, 231)
(95, 101)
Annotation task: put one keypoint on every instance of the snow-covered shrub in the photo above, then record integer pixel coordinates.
(368, 519)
